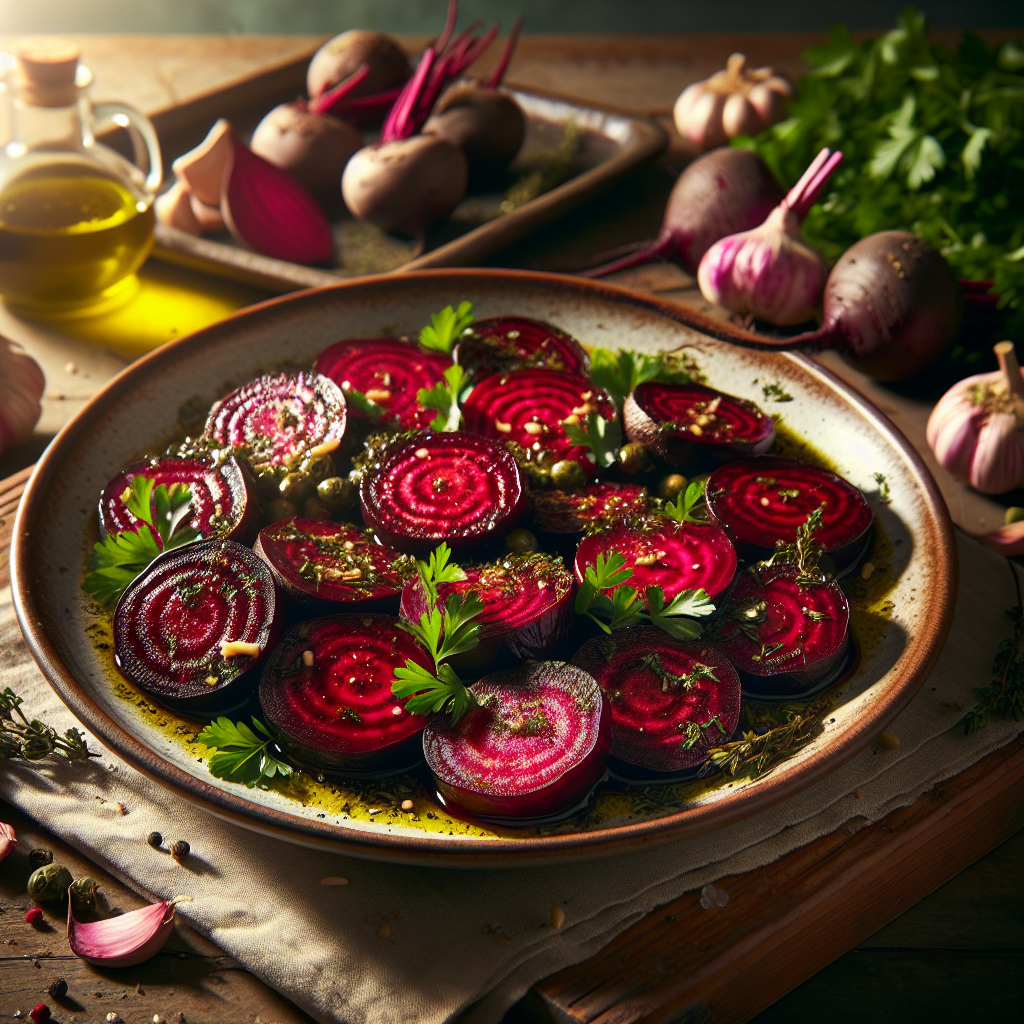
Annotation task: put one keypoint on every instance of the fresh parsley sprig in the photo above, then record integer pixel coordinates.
(619, 372)
(120, 557)
(688, 505)
(446, 397)
(241, 755)
(367, 406)
(447, 327)
(603, 437)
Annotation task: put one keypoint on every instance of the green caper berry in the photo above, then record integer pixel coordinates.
(318, 468)
(295, 487)
(50, 883)
(280, 509)
(83, 893)
(1014, 514)
(567, 475)
(336, 492)
(671, 485)
(314, 508)
(521, 540)
(632, 457)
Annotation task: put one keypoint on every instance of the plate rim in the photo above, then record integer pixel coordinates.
(917, 659)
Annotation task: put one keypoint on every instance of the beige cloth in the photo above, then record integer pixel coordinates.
(472, 941)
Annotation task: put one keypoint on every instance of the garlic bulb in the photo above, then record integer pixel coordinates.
(732, 102)
(21, 387)
(769, 272)
(977, 429)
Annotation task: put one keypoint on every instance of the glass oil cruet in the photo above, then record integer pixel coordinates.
(76, 218)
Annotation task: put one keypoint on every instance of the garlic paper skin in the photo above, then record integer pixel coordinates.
(21, 388)
(977, 428)
(736, 101)
(769, 272)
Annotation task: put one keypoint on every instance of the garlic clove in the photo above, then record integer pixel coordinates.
(202, 169)
(209, 218)
(740, 116)
(21, 389)
(703, 125)
(769, 105)
(125, 940)
(8, 840)
(952, 435)
(998, 462)
(174, 210)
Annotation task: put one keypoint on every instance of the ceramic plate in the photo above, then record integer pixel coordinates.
(900, 614)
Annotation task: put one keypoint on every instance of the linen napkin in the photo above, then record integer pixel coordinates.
(425, 944)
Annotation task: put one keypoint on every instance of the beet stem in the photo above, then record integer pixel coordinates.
(477, 50)
(399, 120)
(323, 103)
(817, 186)
(510, 47)
(664, 248)
(1010, 367)
(449, 26)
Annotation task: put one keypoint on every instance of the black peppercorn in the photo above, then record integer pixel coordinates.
(155, 840)
(180, 850)
(39, 858)
(58, 988)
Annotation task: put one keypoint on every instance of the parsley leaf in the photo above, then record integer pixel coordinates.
(367, 406)
(603, 437)
(241, 755)
(676, 617)
(682, 509)
(619, 372)
(447, 327)
(445, 396)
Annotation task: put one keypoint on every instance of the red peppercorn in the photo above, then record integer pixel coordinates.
(41, 1014)
(34, 917)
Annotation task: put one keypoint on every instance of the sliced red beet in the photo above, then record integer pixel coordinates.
(785, 637)
(592, 506)
(526, 612)
(530, 407)
(509, 343)
(663, 553)
(682, 422)
(319, 563)
(534, 748)
(171, 621)
(224, 503)
(454, 487)
(762, 501)
(389, 372)
(281, 419)
(326, 693)
(670, 701)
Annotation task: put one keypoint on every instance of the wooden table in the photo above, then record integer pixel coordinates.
(955, 955)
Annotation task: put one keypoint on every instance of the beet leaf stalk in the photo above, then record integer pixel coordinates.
(445, 632)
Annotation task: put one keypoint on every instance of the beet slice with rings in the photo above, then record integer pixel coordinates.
(530, 407)
(663, 553)
(333, 566)
(191, 630)
(326, 694)
(683, 422)
(281, 419)
(670, 701)
(592, 506)
(387, 371)
(455, 487)
(527, 607)
(509, 343)
(534, 748)
(762, 501)
(786, 637)
(224, 501)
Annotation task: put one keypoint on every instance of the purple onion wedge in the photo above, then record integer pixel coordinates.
(526, 612)
(333, 567)
(761, 501)
(670, 701)
(535, 747)
(531, 407)
(172, 622)
(683, 422)
(785, 636)
(509, 343)
(387, 371)
(224, 501)
(666, 554)
(455, 487)
(326, 694)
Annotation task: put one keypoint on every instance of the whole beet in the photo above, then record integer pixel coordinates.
(342, 56)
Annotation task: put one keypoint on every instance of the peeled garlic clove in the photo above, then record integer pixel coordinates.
(8, 840)
(209, 218)
(125, 940)
(21, 390)
(739, 117)
(174, 210)
(202, 169)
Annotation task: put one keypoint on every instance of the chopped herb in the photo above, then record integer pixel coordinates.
(776, 393)
(669, 680)
(447, 327)
(369, 408)
(241, 755)
(24, 740)
(883, 489)
(695, 731)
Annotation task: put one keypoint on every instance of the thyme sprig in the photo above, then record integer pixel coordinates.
(1004, 696)
(25, 740)
(805, 552)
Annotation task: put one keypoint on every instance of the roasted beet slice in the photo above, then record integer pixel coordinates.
(280, 420)
(594, 506)
(683, 422)
(663, 553)
(670, 701)
(454, 487)
(785, 636)
(762, 501)
(172, 623)
(320, 563)
(526, 606)
(326, 693)
(509, 343)
(388, 372)
(530, 407)
(534, 748)
(224, 504)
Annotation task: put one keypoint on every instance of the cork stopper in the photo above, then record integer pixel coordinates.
(46, 71)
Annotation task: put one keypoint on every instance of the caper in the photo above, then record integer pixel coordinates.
(670, 486)
(83, 894)
(567, 475)
(1014, 514)
(336, 492)
(521, 540)
(318, 467)
(295, 487)
(633, 457)
(38, 857)
(280, 509)
(314, 508)
(49, 884)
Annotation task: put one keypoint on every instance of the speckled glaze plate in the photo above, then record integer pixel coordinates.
(900, 615)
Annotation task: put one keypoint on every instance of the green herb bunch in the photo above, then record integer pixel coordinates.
(24, 740)
(1004, 696)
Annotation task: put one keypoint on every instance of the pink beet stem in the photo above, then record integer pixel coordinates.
(378, 101)
(323, 103)
(449, 26)
(662, 249)
(817, 186)
(478, 49)
(398, 120)
(510, 46)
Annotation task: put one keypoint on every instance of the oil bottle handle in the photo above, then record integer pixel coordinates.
(140, 129)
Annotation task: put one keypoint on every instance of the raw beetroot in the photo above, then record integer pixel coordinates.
(590, 507)
(387, 371)
(224, 503)
(670, 701)
(326, 693)
(172, 620)
(535, 746)
(455, 487)
(762, 501)
(683, 422)
(517, 343)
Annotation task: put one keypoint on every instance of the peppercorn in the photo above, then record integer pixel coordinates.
(58, 988)
(39, 858)
(180, 850)
(155, 840)
(521, 540)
